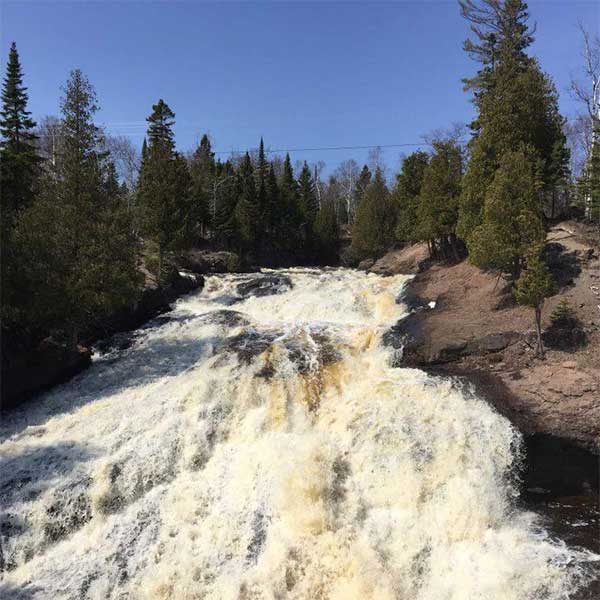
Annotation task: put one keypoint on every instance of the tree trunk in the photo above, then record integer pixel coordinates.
(538, 330)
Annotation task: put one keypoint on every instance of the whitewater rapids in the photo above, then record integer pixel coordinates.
(258, 443)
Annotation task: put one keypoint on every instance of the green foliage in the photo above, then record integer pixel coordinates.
(78, 254)
(169, 209)
(535, 283)
(533, 286)
(18, 155)
(563, 315)
(373, 230)
(437, 210)
(202, 173)
(307, 197)
(247, 208)
(517, 107)
(406, 194)
(511, 217)
(326, 233)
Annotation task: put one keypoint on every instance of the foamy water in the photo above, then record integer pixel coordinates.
(264, 448)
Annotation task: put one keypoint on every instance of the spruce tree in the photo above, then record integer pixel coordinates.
(326, 233)
(18, 154)
(247, 209)
(517, 105)
(511, 219)
(307, 199)
(168, 210)
(406, 194)
(288, 217)
(261, 173)
(79, 254)
(374, 225)
(437, 210)
(225, 202)
(202, 172)
(364, 179)
(533, 286)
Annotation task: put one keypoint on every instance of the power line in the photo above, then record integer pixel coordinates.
(271, 151)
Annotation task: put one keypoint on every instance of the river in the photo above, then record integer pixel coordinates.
(258, 442)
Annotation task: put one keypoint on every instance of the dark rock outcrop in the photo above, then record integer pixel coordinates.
(29, 371)
(366, 264)
(265, 285)
(204, 262)
(48, 364)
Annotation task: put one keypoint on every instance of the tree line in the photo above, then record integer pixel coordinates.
(83, 219)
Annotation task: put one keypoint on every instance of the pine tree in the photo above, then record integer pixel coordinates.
(364, 179)
(373, 229)
(517, 106)
(247, 209)
(512, 219)
(326, 233)
(533, 286)
(406, 194)
(18, 154)
(272, 208)
(225, 202)
(168, 211)
(202, 172)
(79, 255)
(261, 173)
(288, 215)
(437, 210)
(307, 199)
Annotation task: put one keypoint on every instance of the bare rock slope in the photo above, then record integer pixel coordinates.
(478, 331)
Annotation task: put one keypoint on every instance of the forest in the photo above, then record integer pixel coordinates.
(84, 213)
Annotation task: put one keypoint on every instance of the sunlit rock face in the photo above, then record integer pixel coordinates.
(260, 444)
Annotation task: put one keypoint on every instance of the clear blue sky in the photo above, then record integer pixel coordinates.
(300, 74)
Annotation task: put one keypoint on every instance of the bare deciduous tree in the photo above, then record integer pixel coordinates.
(588, 92)
(126, 157)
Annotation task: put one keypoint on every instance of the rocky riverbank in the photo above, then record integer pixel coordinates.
(465, 323)
(29, 370)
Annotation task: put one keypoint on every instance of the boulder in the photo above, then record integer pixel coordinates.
(203, 262)
(365, 265)
(411, 259)
(265, 285)
(50, 363)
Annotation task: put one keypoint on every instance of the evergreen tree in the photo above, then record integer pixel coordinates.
(437, 210)
(511, 220)
(166, 203)
(288, 217)
(247, 209)
(202, 172)
(272, 207)
(18, 152)
(406, 194)
(373, 230)
(225, 202)
(326, 233)
(262, 173)
(364, 179)
(79, 255)
(307, 199)
(517, 105)
(533, 286)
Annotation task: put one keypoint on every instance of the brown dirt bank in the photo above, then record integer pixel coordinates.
(477, 332)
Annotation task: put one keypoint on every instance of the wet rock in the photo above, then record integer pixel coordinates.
(204, 262)
(411, 259)
(50, 363)
(229, 318)
(365, 265)
(265, 285)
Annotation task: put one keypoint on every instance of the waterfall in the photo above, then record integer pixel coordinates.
(258, 443)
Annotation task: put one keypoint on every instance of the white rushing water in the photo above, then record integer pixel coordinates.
(265, 448)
